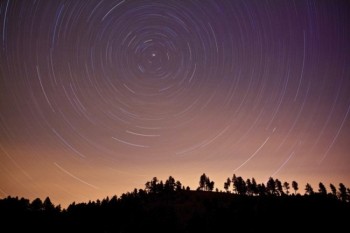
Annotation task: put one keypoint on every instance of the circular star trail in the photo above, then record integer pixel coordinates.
(96, 97)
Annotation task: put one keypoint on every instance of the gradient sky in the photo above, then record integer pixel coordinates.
(98, 97)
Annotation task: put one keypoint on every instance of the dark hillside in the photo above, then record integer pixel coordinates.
(182, 211)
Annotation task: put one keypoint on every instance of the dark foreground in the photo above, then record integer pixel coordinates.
(181, 211)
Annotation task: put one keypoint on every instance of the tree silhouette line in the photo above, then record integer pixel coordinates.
(171, 207)
(277, 188)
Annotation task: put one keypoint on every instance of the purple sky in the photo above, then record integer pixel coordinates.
(98, 97)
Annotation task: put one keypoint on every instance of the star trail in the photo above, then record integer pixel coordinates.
(97, 97)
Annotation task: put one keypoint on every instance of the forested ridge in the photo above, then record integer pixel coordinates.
(169, 206)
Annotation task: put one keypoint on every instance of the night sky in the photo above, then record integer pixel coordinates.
(98, 97)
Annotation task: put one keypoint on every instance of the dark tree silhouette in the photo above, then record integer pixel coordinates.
(202, 182)
(234, 179)
(254, 187)
(286, 187)
(295, 186)
(308, 189)
(209, 184)
(37, 205)
(279, 187)
(160, 187)
(169, 184)
(271, 186)
(243, 187)
(178, 185)
(154, 186)
(227, 185)
(205, 184)
(239, 185)
(322, 189)
(47, 205)
(249, 187)
(333, 190)
(262, 189)
(342, 192)
(148, 187)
